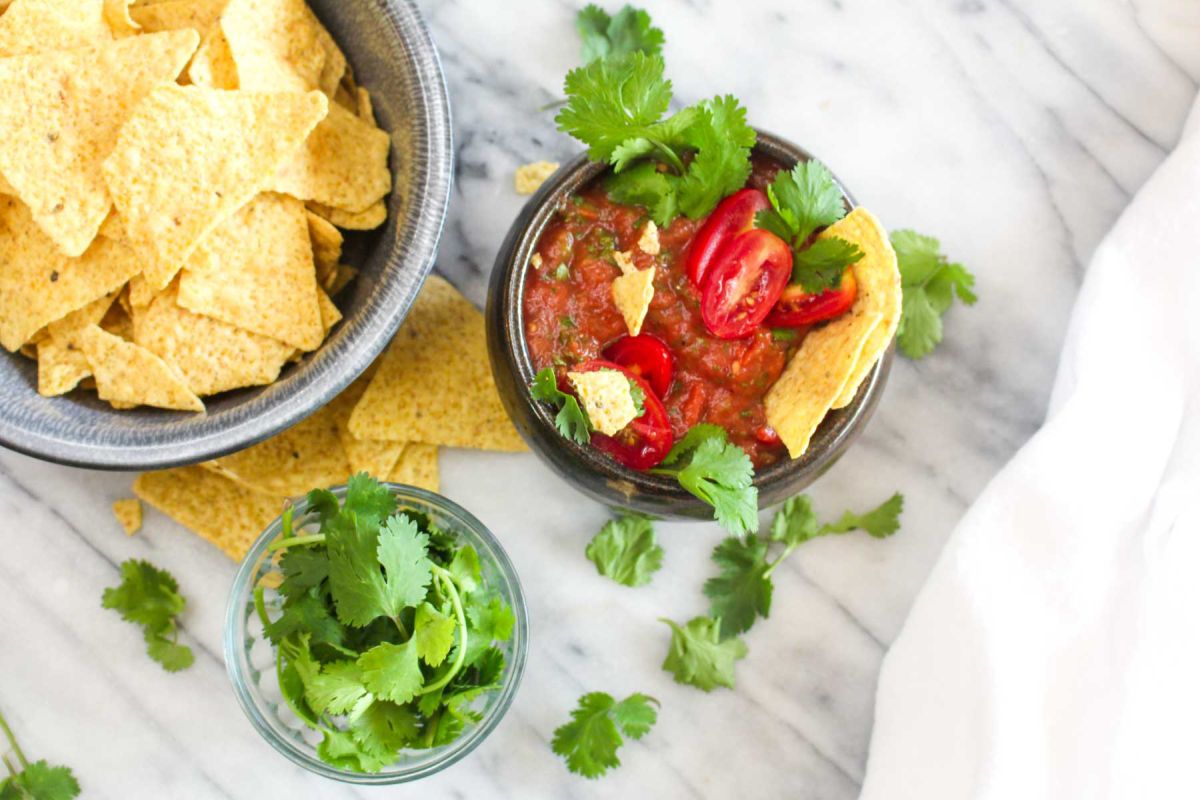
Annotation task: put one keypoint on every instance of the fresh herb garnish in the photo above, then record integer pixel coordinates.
(589, 742)
(718, 472)
(626, 551)
(571, 420)
(627, 31)
(803, 200)
(34, 780)
(930, 283)
(699, 657)
(149, 597)
(386, 636)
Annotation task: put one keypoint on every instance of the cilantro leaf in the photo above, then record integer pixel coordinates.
(489, 620)
(802, 200)
(614, 99)
(307, 613)
(384, 728)
(464, 568)
(692, 439)
(930, 283)
(643, 185)
(572, 421)
(368, 499)
(627, 31)
(820, 266)
(743, 590)
(359, 593)
(590, 741)
(433, 632)
(340, 749)
(722, 141)
(392, 671)
(404, 554)
(626, 551)
(698, 657)
(149, 597)
(303, 568)
(40, 781)
(880, 522)
(337, 688)
(795, 522)
(719, 473)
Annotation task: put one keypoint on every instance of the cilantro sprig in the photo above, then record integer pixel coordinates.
(804, 200)
(625, 550)
(590, 741)
(718, 472)
(627, 31)
(572, 421)
(149, 597)
(930, 282)
(699, 657)
(33, 780)
(386, 632)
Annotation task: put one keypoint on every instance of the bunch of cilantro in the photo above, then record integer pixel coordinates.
(387, 635)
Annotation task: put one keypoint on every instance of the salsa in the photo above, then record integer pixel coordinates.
(570, 317)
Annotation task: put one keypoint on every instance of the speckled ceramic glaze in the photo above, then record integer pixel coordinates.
(588, 469)
(392, 54)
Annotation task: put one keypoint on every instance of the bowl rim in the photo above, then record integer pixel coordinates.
(428, 219)
(840, 427)
(233, 638)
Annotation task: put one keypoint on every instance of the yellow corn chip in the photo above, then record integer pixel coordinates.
(129, 513)
(189, 158)
(212, 356)
(126, 373)
(330, 315)
(530, 177)
(255, 271)
(326, 247)
(116, 16)
(33, 26)
(364, 455)
(61, 113)
(344, 275)
(418, 466)
(5, 188)
(633, 292)
(434, 384)
(39, 285)
(212, 67)
(364, 106)
(61, 362)
(211, 506)
(118, 322)
(878, 277)
(335, 66)
(343, 164)
(607, 398)
(173, 15)
(276, 45)
(367, 220)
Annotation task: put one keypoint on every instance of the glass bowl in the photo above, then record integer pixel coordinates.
(250, 656)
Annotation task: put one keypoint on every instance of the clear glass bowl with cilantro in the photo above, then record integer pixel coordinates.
(344, 633)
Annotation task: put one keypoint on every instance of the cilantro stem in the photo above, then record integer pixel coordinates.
(787, 551)
(12, 741)
(280, 544)
(9, 766)
(447, 581)
(400, 626)
(260, 605)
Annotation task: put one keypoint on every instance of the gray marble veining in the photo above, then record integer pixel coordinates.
(1015, 130)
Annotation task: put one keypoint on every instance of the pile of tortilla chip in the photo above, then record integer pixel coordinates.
(173, 177)
(834, 360)
(432, 387)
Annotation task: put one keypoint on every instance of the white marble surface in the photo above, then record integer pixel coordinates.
(1015, 130)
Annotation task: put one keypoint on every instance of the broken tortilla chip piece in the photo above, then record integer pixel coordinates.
(343, 164)
(276, 45)
(116, 16)
(212, 506)
(632, 292)
(61, 362)
(327, 243)
(434, 384)
(530, 177)
(173, 15)
(33, 26)
(417, 466)
(61, 113)
(367, 220)
(127, 373)
(212, 67)
(878, 278)
(607, 398)
(189, 158)
(129, 513)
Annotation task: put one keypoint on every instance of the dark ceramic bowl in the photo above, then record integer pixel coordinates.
(392, 54)
(588, 469)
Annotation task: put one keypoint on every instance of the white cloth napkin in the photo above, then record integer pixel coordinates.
(1055, 651)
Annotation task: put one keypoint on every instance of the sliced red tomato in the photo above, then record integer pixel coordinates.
(646, 356)
(645, 442)
(744, 282)
(733, 215)
(797, 308)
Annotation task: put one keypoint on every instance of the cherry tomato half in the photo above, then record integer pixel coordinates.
(797, 308)
(645, 442)
(744, 282)
(733, 215)
(646, 356)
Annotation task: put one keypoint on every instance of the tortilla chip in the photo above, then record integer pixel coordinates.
(364, 106)
(173, 15)
(39, 285)
(326, 247)
(878, 277)
(276, 45)
(330, 315)
(632, 293)
(212, 356)
(34, 26)
(118, 322)
(344, 275)
(129, 513)
(211, 506)
(212, 67)
(335, 65)
(367, 220)
(127, 373)
(255, 271)
(61, 113)
(5, 188)
(61, 362)
(343, 164)
(816, 376)
(364, 455)
(434, 384)
(530, 177)
(189, 158)
(116, 16)
(418, 466)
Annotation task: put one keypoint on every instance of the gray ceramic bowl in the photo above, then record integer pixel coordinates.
(588, 469)
(392, 54)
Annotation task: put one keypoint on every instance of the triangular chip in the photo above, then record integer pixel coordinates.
(61, 362)
(211, 506)
(632, 292)
(173, 15)
(330, 315)
(326, 246)
(255, 270)
(190, 157)
(39, 285)
(371, 456)
(129, 513)
(343, 164)
(276, 45)
(418, 466)
(344, 275)
(212, 356)
(128, 374)
(61, 113)
(434, 384)
(878, 278)
(335, 66)
(116, 16)
(212, 67)
(367, 220)
(364, 106)
(33, 26)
